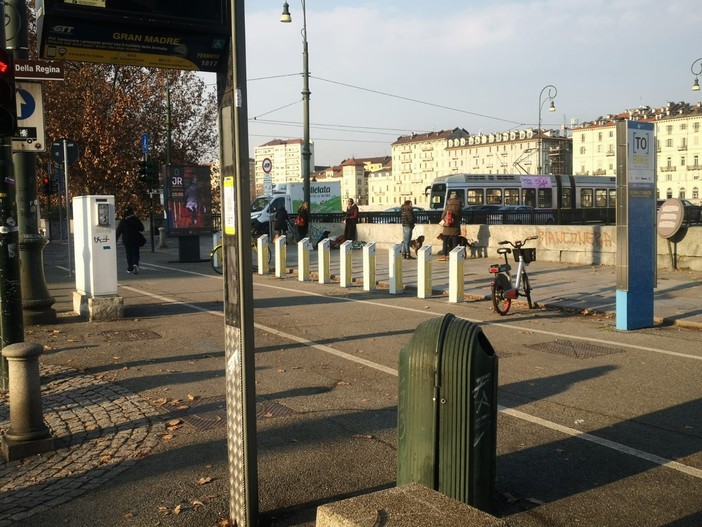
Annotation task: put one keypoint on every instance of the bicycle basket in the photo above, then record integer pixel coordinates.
(527, 255)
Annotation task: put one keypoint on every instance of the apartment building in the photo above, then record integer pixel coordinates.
(286, 161)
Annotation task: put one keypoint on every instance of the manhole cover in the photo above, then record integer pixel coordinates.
(131, 334)
(211, 412)
(578, 350)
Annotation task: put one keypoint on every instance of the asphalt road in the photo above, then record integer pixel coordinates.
(596, 426)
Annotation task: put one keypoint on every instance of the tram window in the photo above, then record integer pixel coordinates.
(529, 197)
(459, 193)
(475, 196)
(545, 198)
(613, 197)
(567, 198)
(586, 198)
(494, 196)
(600, 197)
(511, 196)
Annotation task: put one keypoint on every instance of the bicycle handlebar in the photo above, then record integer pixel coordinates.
(518, 243)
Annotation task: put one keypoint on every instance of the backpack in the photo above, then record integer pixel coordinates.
(448, 219)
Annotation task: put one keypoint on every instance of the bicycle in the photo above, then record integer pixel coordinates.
(501, 288)
(217, 260)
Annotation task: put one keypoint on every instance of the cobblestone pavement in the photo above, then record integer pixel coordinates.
(100, 430)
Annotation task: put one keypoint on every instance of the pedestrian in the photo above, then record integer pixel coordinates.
(130, 228)
(281, 222)
(351, 220)
(407, 219)
(303, 220)
(451, 223)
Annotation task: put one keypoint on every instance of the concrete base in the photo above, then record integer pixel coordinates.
(14, 450)
(405, 506)
(96, 308)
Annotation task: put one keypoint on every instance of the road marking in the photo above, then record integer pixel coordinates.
(658, 460)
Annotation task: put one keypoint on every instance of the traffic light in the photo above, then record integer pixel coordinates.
(148, 171)
(8, 105)
(47, 185)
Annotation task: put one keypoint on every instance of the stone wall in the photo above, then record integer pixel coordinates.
(595, 244)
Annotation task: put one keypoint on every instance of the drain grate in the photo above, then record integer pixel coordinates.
(131, 334)
(211, 412)
(577, 350)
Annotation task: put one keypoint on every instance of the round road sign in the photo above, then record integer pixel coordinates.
(670, 217)
(267, 165)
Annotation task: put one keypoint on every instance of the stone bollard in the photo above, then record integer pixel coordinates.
(369, 267)
(323, 261)
(281, 256)
(456, 277)
(162, 238)
(424, 272)
(395, 269)
(304, 246)
(28, 434)
(346, 263)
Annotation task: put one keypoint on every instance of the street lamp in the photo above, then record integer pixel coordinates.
(306, 154)
(696, 73)
(551, 94)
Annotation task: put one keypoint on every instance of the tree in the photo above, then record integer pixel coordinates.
(106, 108)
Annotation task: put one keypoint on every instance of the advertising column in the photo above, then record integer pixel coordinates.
(636, 212)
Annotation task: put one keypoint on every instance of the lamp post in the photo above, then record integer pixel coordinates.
(285, 17)
(550, 95)
(696, 72)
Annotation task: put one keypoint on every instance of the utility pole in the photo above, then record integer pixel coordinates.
(36, 300)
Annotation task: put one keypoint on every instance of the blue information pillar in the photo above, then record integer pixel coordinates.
(636, 232)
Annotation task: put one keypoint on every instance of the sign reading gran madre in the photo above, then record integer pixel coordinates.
(176, 34)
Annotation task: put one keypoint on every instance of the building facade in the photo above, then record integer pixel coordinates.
(286, 162)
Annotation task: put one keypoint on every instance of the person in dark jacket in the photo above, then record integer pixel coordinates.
(303, 220)
(351, 219)
(452, 224)
(407, 219)
(130, 228)
(281, 222)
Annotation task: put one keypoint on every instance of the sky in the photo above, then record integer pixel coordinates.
(383, 69)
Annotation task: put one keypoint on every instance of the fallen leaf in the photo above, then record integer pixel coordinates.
(161, 401)
(176, 510)
(191, 397)
(174, 422)
(204, 480)
(167, 437)
(197, 504)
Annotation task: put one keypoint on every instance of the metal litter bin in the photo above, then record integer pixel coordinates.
(447, 411)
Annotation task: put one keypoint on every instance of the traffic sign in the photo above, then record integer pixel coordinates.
(145, 143)
(267, 165)
(29, 136)
(57, 151)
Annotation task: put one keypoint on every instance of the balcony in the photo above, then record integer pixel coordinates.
(690, 168)
(668, 169)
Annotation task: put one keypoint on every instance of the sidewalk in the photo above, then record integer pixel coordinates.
(104, 428)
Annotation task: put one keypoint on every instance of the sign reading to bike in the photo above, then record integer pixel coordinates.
(641, 153)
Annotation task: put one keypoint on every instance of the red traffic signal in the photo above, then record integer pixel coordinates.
(46, 185)
(8, 104)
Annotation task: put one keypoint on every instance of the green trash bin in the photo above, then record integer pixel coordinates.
(447, 411)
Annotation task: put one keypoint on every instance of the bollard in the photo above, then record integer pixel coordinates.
(28, 434)
(281, 255)
(456, 279)
(303, 259)
(216, 240)
(324, 261)
(262, 252)
(369, 267)
(162, 238)
(424, 272)
(447, 411)
(345, 263)
(395, 269)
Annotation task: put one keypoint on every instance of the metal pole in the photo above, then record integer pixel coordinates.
(238, 288)
(68, 206)
(552, 92)
(306, 153)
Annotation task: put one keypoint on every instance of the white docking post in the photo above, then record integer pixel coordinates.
(281, 256)
(424, 272)
(262, 252)
(345, 263)
(395, 269)
(456, 279)
(303, 259)
(324, 261)
(369, 267)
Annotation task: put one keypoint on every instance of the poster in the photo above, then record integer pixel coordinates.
(189, 200)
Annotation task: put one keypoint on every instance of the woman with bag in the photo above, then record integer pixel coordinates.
(130, 228)
(302, 221)
(351, 220)
(451, 223)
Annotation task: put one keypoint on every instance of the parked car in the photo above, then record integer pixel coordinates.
(478, 213)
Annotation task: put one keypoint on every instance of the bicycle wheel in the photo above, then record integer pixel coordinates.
(216, 259)
(527, 288)
(499, 302)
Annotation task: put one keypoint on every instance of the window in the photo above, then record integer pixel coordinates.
(669, 129)
(566, 197)
(696, 126)
(613, 197)
(668, 193)
(696, 160)
(599, 136)
(600, 197)
(681, 193)
(668, 162)
(582, 138)
(475, 196)
(695, 193)
(683, 126)
(494, 196)
(545, 198)
(511, 196)
(529, 197)
(669, 143)
(682, 161)
(582, 150)
(586, 198)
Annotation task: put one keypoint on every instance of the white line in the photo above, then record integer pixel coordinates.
(674, 465)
